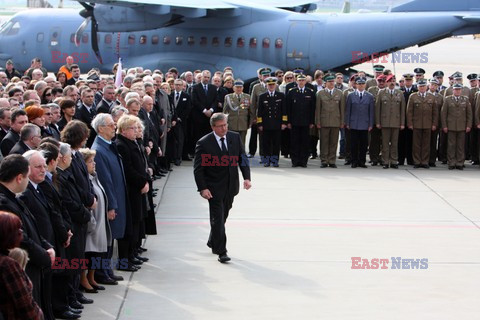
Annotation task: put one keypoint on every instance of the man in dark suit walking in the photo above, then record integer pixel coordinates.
(217, 156)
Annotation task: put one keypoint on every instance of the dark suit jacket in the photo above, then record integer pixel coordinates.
(55, 132)
(360, 114)
(19, 148)
(32, 241)
(8, 142)
(183, 107)
(86, 117)
(201, 101)
(3, 133)
(215, 177)
(221, 93)
(103, 107)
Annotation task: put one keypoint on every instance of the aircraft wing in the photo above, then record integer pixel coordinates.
(211, 4)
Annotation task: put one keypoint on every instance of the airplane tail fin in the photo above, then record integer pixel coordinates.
(438, 5)
(346, 7)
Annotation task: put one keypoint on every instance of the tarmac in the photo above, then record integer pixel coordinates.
(294, 240)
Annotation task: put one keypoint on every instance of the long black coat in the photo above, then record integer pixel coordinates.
(84, 186)
(79, 214)
(135, 173)
(8, 142)
(32, 241)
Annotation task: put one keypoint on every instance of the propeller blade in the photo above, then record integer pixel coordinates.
(79, 32)
(95, 47)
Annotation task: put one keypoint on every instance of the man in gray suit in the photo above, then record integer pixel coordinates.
(359, 119)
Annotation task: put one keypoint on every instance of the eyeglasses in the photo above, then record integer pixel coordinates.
(288, 78)
(48, 113)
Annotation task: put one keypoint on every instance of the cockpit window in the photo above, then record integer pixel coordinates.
(10, 28)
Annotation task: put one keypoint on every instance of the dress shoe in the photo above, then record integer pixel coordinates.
(444, 162)
(142, 248)
(303, 165)
(84, 300)
(250, 155)
(323, 165)
(332, 165)
(313, 157)
(266, 164)
(87, 290)
(224, 258)
(425, 166)
(135, 261)
(459, 167)
(76, 311)
(362, 165)
(163, 171)
(144, 259)
(276, 165)
(341, 157)
(177, 163)
(129, 268)
(385, 166)
(374, 163)
(347, 163)
(94, 286)
(294, 165)
(76, 305)
(433, 165)
(67, 315)
(354, 165)
(116, 278)
(394, 166)
(107, 281)
(416, 166)
(451, 167)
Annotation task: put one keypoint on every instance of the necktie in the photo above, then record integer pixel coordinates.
(176, 97)
(224, 147)
(361, 96)
(206, 89)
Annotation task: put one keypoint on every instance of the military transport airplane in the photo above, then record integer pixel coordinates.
(214, 34)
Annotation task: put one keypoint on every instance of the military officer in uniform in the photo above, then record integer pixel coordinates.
(375, 141)
(419, 74)
(378, 71)
(352, 85)
(433, 90)
(422, 118)
(456, 121)
(359, 118)
(257, 90)
(473, 139)
(458, 78)
(390, 118)
(406, 136)
(439, 76)
(237, 106)
(271, 119)
(301, 118)
(329, 115)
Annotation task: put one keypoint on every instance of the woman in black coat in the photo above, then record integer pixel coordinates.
(137, 181)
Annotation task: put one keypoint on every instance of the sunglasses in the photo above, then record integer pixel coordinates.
(288, 77)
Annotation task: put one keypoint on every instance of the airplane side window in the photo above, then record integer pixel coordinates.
(253, 42)
(85, 38)
(155, 40)
(40, 37)
(240, 42)
(191, 40)
(166, 40)
(143, 39)
(108, 38)
(266, 43)
(215, 41)
(53, 40)
(203, 41)
(131, 39)
(228, 41)
(279, 43)
(179, 40)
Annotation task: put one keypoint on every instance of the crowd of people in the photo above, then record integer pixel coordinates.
(79, 155)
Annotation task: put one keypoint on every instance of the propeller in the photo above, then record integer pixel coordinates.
(87, 13)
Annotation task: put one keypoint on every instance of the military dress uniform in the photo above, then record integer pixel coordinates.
(422, 116)
(256, 91)
(434, 141)
(473, 143)
(348, 141)
(375, 142)
(390, 116)
(239, 113)
(271, 114)
(405, 137)
(301, 116)
(329, 115)
(456, 117)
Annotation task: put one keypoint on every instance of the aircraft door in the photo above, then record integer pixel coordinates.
(298, 44)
